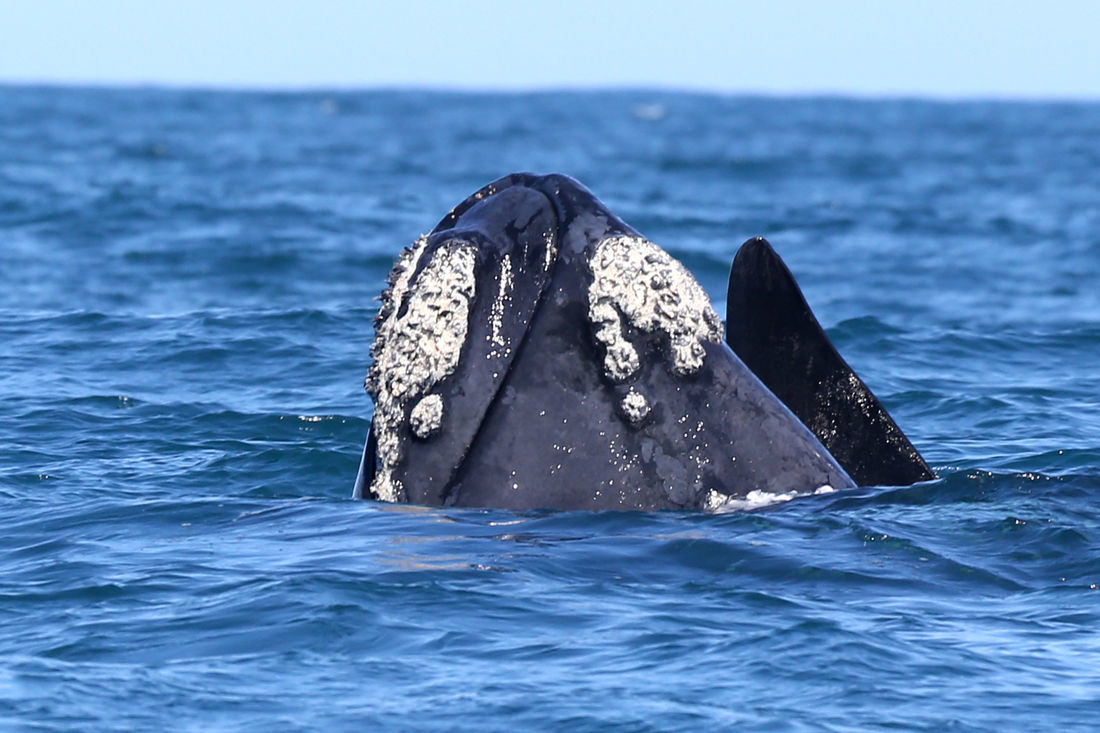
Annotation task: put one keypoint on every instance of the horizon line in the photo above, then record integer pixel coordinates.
(536, 89)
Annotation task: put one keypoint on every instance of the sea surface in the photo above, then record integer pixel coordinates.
(188, 285)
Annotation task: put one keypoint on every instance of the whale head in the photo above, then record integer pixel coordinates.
(534, 351)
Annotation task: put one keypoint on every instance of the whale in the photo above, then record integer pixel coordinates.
(533, 351)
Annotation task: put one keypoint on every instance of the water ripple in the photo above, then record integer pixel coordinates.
(184, 329)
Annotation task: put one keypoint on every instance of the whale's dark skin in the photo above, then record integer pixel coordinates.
(771, 327)
(542, 423)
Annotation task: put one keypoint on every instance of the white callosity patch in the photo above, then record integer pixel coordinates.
(504, 297)
(550, 248)
(427, 417)
(397, 285)
(653, 293)
(636, 283)
(419, 334)
(635, 406)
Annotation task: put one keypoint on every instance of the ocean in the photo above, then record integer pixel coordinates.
(189, 282)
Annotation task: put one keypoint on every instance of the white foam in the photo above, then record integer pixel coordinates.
(718, 503)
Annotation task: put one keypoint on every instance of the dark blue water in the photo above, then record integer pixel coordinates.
(185, 317)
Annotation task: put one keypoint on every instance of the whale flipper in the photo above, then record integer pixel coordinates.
(613, 388)
(771, 327)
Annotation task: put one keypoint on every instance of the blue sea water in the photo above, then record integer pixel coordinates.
(188, 283)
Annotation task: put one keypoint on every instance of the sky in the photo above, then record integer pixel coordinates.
(935, 48)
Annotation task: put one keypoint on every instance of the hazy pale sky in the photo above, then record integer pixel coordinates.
(946, 48)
